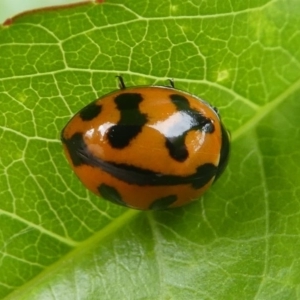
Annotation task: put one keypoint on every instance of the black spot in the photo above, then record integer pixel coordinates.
(225, 151)
(177, 148)
(180, 102)
(203, 175)
(131, 120)
(111, 194)
(76, 147)
(90, 112)
(119, 136)
(163, 203)
(191, 119)
(128, 102)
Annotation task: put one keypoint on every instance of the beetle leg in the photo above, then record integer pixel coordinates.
(171, 80)
(121, 82)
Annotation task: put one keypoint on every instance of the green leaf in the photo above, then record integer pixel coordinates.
(240, 241)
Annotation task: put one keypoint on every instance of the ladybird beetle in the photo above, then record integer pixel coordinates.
(147, 147)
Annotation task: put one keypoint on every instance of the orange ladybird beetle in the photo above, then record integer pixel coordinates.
(148, 147)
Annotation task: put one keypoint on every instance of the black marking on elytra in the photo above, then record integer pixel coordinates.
(131, 120)
(193, 120)
(163, 203)
(119, 136)
(177, 148)
(90, 112)
(81, 155)
(111, 194)
(76, 145)
(200, 122)
(143, 177)
(203, 175)
(224, 153)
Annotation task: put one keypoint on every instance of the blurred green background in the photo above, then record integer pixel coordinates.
(10, 8)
